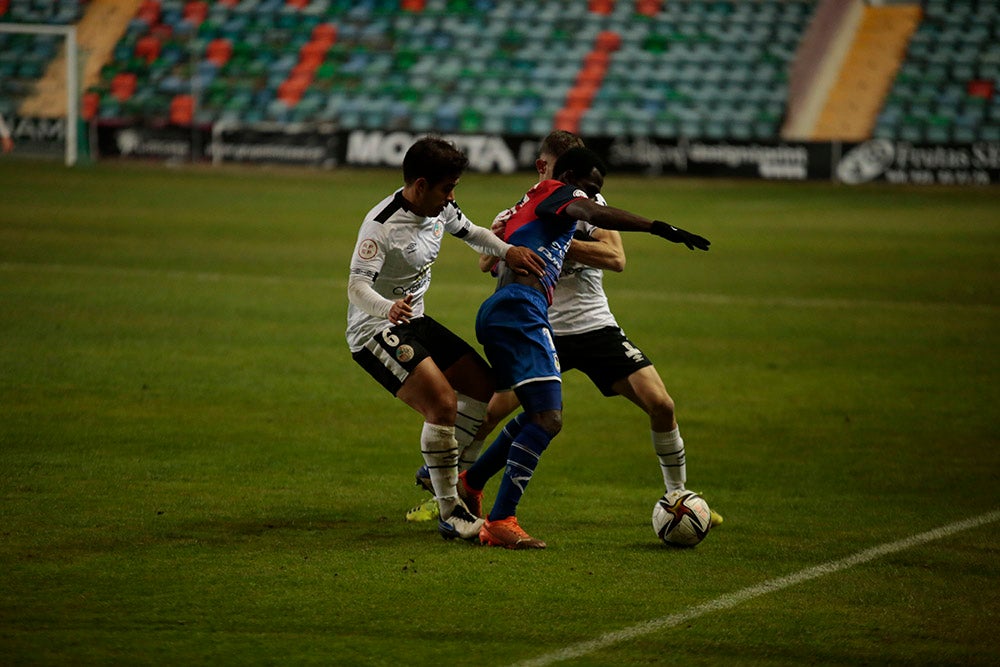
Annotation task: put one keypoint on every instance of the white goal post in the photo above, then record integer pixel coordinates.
(68, 32)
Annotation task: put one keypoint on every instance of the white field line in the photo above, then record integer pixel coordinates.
(731, 600)
(485, 286)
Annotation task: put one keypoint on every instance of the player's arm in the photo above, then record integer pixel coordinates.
(488, 262)
(366, 264)
(608, 217)
(362, 295)
(521, 260)
(601, 249)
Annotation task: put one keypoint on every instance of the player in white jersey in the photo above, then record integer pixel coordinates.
(588, 337)
(415, 358)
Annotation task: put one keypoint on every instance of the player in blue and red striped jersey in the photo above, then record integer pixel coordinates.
(513, 327)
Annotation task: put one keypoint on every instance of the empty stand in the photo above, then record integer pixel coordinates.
(695, 68)
(946, 88)
(713, 69)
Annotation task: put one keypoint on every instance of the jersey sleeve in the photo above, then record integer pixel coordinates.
(455, 221)
(369, 251)
(557, 200)
(478, 238)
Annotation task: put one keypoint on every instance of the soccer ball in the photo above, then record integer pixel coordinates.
(681, 518)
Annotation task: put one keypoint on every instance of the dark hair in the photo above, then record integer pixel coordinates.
(558, 142)
(434, 159)
(581, 161)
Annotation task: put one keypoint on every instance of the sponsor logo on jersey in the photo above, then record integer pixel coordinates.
(367, 249)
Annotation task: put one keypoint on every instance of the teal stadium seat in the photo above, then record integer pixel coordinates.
(696, 68)
(949, 77)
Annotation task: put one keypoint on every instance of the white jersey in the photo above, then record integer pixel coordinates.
(394, 253)
(579, 303)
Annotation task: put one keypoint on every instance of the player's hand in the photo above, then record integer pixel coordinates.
(678, 235)
(524, 261)
(401, 311)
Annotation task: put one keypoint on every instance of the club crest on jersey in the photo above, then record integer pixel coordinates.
(404, 353)
(367, 249)
(438, 229)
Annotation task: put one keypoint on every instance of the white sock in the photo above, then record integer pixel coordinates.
(669, 449)
(440, 452)
(469, 455)
(471, 414)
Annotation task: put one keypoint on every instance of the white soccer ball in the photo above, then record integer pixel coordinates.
(681, 518)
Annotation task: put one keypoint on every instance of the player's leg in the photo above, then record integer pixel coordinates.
(541, 421)
(501, 405)
(513, 328)
(399, 360)
(428, 391)
(471, 382)
(645, 388)
(472, 379)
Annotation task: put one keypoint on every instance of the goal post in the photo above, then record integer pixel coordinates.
(68, 33)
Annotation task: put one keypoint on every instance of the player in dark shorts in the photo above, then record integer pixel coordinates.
(513, 326)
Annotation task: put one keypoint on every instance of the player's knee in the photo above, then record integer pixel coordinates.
(662, 409)
(550, 421)
(443, 410)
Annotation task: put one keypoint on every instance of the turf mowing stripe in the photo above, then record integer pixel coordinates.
(673, 297)
(734, 599)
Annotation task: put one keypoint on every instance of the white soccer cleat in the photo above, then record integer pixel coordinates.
(460, 523)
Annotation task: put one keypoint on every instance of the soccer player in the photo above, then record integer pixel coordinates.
(514, 328)
(415, 358)
(587, 336)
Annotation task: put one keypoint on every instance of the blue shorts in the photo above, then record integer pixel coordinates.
(513, 328)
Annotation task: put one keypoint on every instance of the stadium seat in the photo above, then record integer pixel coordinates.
(948, 77)
(636, 56)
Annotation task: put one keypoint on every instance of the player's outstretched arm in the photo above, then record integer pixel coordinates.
(621, 220)
(678, 235)
(604, 250)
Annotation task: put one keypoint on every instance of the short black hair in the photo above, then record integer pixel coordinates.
(434, 159)
(581, 161)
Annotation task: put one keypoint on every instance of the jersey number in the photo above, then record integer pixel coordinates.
(390, 339)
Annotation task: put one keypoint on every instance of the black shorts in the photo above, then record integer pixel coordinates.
(605, 355)
(392, 354)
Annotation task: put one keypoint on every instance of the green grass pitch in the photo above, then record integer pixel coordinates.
(193, 470)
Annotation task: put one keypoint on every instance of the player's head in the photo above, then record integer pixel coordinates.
(555, 144)
(583, 168)
(431, 169)
(433, 159)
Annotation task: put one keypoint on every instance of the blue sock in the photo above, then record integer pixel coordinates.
(524, 454)
(495, 457)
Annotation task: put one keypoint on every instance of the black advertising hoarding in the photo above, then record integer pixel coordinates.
(882, 160)
(323, 146)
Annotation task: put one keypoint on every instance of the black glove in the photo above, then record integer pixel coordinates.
(677, 235)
